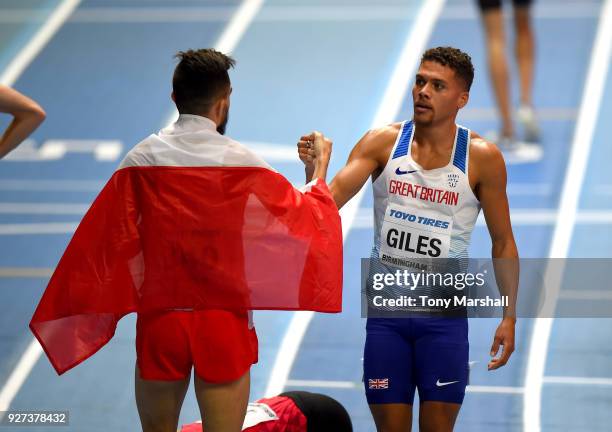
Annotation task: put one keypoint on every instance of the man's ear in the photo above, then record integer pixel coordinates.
(464, 97)
(172, 97)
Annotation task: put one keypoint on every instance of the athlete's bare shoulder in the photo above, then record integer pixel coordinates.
(377, 143)
(485, 157)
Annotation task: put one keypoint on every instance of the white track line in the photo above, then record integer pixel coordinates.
(359, 385)
(581, 145)
(49, 185)
(19, 375)
(235, 30)
(388, 109)
(567, 380)
(593, 381)
(227, 42)
(38, 42)
(25, 272)
(550, 10)
(38, 228)
(43, 208)
(596, 295)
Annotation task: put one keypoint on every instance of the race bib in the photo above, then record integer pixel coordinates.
(410, 233)
(258, 413)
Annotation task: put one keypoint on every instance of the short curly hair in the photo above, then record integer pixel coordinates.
(457, 60)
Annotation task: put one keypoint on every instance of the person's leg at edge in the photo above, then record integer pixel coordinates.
(159, 403)
(524, 51)
(223, 405)
(525, 55)
(493, 20)
(438, 416)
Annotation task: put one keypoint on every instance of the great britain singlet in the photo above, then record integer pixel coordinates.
(421, 215)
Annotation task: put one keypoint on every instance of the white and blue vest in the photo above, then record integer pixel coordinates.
(422, 213)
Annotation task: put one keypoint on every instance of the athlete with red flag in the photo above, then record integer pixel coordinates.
(192, 232)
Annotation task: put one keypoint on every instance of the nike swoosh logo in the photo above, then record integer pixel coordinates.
(400, 172)
(442, 384)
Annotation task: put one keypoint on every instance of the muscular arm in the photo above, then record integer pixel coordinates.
(368, 157)
(27, 116)
(491, 190)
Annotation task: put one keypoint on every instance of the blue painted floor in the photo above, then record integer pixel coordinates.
(302, 65)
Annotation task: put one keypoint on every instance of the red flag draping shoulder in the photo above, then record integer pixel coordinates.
(189, 237)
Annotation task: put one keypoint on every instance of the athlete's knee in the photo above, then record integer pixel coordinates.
(158, 425)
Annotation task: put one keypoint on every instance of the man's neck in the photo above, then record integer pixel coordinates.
(437, 136)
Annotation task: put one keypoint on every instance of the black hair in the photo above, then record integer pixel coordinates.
(200, 79)
(457, 60)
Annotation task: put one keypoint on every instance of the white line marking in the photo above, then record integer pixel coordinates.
(43, 208)
(529, 189)
(495, 389)
(388, 109)
(552, 10)
(585, 295)
(594, 381)
(38, 228)
(19, 375)
(50, 185)
(359, 385)
(25, 272)
(50, 150)
(235, 30)
(585, 381)
(38, 42)
(543, 114)
(581, 145)
(325, 384)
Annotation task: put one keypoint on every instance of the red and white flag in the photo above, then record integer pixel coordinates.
(191, 220)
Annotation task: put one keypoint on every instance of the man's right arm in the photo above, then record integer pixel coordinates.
(368, 157)
(27, 116)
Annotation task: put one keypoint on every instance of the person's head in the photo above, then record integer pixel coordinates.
(201, 85)
(442, 85)
(323, 413)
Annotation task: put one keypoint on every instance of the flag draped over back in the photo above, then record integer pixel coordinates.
(190, 237)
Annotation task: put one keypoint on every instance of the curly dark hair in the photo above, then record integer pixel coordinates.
(200, 78)
(455, 59)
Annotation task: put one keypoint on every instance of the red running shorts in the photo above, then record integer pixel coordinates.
(218, 344)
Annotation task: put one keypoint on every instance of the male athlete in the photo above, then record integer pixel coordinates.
(433, 168)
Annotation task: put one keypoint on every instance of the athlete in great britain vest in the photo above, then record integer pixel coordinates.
(421, 213)
(430, 179)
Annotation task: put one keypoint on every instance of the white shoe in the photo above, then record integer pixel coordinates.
(526, 116)
(522, 152)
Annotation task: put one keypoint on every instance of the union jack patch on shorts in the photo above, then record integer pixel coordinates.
(378, 383)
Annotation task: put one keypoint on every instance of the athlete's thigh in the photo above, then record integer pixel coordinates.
(388, 362)
(159, 402)
(223, 405)
(441, 352)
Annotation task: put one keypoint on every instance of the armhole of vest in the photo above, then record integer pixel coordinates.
(461, 154)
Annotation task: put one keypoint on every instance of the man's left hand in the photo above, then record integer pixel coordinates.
(504, 336)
